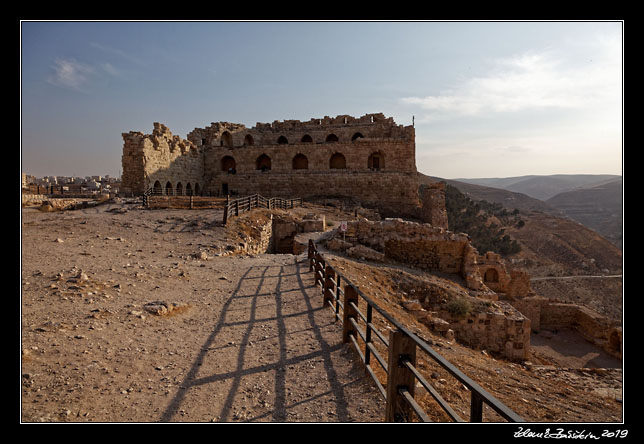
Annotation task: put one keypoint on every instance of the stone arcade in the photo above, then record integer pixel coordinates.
(370, 159)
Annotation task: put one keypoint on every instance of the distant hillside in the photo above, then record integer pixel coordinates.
(597, 207)
(508, 199)
(543, 187)
(549, 244)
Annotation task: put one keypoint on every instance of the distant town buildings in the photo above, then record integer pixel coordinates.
(71, 184)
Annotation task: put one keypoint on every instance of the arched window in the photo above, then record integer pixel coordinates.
(331, 138)
(197, 189)
(376, 161)
(356, 136)
(228, 164)
(282, 140)
(188, 189)
(491, 275)
(263, 163)
(179, 190)
(156, 189)
(300, 162)
(168, 189)
(248, 140)
(338, 162)
(226, 139)
(307, 139)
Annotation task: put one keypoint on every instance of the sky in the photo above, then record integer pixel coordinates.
(487, 99)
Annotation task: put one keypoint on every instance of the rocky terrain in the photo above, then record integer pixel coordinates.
(595, 201)
(135, 315)
(598, 207)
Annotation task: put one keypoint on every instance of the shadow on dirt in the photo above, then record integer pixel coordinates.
(271, 299)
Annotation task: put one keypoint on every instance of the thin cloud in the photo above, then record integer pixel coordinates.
(78, 76)
(70, 74)
(528, 81)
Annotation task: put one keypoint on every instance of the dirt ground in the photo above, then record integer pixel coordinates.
(567, 348)
(245, 340)
(134, 315)
(559, 383)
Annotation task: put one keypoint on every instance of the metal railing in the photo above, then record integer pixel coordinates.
(402, 346)
(241, 205)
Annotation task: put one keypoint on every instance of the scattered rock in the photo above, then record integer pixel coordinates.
(201, 256)
(162, 308)
(412, 305)
(367, 253)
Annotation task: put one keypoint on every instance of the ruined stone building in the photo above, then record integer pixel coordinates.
(370, 159)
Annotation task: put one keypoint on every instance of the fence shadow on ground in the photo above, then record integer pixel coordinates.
(274, 300)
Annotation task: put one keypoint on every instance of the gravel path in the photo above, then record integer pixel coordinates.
(238, 339)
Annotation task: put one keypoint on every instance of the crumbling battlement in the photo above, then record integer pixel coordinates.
(341, 128)
(160, 158)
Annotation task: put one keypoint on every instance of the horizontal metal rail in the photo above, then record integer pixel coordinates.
(235, 207)
(400, 366)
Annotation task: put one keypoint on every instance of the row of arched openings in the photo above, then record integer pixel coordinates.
(376, 161)
(178, 190)
(226, 139)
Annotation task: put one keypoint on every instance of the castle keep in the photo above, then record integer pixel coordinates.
(370, 159)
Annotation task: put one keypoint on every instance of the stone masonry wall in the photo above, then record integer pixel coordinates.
(370, 159)
(552, 315)
(162, 157)
(506, 332)
(345, 128)
(433, 205)
(421, 246)
(391, 193)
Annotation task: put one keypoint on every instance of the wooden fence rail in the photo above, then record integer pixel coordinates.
(235, 207)
(402, 347)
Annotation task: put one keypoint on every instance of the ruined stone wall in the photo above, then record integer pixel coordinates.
(506, 332)
(552, 315)
(369, 159)
(391, 193)
(421, 246)
(341, 128)
(433, 210)
(160, 158)
(511, 284)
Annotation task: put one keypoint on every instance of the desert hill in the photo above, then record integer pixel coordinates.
(594, 201)
(551, 245)
(508, 199)
(544, 187)
(598, 207)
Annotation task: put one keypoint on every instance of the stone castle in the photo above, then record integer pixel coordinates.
(370, 159)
